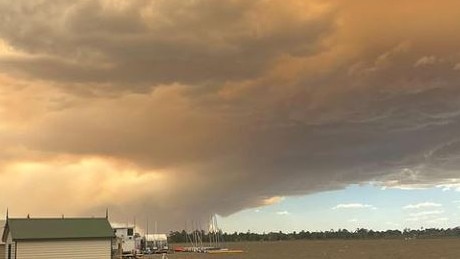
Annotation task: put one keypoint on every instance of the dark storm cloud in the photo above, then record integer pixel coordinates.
(152, 42)
(219, 106)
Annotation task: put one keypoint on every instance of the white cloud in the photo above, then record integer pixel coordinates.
(445, 184)
(455, 186)
(426, 213)
(422, 205)
(353, 206)
(397, 184)
(437, 220)
(433, 220)
(429, 216)
(283, 213)
(353, 220)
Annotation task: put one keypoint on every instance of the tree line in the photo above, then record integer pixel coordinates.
(360, 233)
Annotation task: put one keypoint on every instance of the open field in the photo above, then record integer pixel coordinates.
(422, 248)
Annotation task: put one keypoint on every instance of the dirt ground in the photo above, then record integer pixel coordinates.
(404, 249)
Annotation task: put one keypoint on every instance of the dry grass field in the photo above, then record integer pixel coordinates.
(422, 248)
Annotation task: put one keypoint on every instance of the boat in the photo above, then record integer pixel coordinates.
(214, 237)
(224, 251)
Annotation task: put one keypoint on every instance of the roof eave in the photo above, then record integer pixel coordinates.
(63, 238)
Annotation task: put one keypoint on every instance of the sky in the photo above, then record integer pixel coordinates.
(357, 206)
(301, 113)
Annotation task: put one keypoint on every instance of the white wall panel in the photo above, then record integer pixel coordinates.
(75, 249)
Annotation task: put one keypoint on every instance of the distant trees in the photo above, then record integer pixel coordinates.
(178, 237)
(360, 233)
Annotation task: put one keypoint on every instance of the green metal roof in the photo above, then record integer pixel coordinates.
(59, 228)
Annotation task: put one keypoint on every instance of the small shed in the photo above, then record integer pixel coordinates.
(58, 238)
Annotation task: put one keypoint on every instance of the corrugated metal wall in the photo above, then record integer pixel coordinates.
(2, 251)
(75, 249)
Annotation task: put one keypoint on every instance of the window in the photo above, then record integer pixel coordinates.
(130, 231)
(9, 251)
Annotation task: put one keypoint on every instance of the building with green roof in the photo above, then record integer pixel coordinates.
(59, 238)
